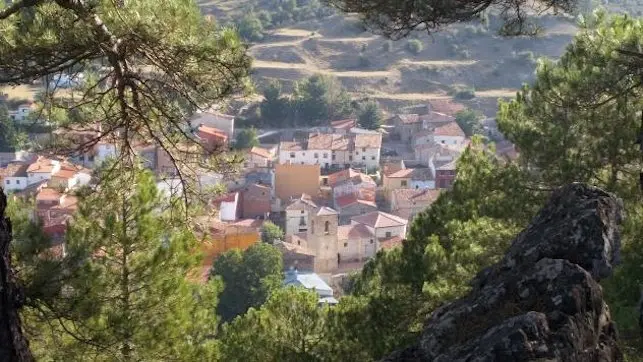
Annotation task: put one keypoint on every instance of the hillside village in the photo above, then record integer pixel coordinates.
(340, 193)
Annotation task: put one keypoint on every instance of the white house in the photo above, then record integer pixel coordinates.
(355, 243)
(325, 149)
(21, 113)
(297, 215)
(228, 206)
(313, 282)
(42, 169)
(382, 225)
(449, 134)
(104, 151)
(13, 177)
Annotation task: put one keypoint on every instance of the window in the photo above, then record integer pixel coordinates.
(346, 245)
(442, 141)
(373, 158)
(403, 183)
(316, 155)
(388, 234)
(350, 158)
(363, 149)
(17, 182)
(333, 157)
(302, 221)
(327, 227)
(292, 155)
(363, 158)
(302, 211)
(8, 182)
(245, 164)
(371, 241)
(417, 187)
(325, 155)
(298, 242)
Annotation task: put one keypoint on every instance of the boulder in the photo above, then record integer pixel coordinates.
(542, 300)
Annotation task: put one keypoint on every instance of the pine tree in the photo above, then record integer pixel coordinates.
(127, 296)
(370, 116)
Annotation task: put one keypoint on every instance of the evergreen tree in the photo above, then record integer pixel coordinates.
(248, 278)
(469, 121)
(274, 107)
(271, 233)
(320, 98)
(126, 295)
(246, 138)
(370, 116)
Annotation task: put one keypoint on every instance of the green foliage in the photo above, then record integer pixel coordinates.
(469, 121)
(7, 131)
(289, 327)
(246, 138)
(275, 108)
(271, 232)
(414, 46)
(248, 278)
(464, 94)
(125, 294)
(370, 116)
(250, 27)
(320, 98)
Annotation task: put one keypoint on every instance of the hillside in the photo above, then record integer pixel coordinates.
(461, 57)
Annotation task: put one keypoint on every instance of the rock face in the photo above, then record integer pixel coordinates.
(542, 301)
(13, 346)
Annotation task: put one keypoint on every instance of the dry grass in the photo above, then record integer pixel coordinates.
(438, 63)
(292, 32)
(21, 91)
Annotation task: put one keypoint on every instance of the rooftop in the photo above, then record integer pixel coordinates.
(14, 170)
(324, 211)
(378, 219)
(409, 197)
(449, 129)
(261, 152)
(309, 281)
(353, 231)
(42, 165)
(392, 242)
(344, 124)
(404, 173)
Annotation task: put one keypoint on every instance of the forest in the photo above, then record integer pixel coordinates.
(124, 290)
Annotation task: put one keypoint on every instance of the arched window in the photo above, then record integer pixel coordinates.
(327, 227)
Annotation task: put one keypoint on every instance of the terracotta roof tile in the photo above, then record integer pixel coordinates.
(48, 194)
(412, 197)
(378, 219)
(368, 141)
(14, 170)
(42, 165)
(353, 231)
(449, 129)
(261, 152)
(392, 242)
(405, 173)
(291, 146)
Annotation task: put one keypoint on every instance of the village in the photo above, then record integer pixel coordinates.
(340, 193)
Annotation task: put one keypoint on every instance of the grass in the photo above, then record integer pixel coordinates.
(21, 92)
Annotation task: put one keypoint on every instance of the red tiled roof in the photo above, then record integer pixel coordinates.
(291, 146)
(261, 152)
(348, 174)
(409, 118)
(230, 197)
(392, 242)
(449, 129)
(14, 170)
(249, 223)
(48, 194)
(405, 173)
(368, 141)
(353, 231)
(324, 211)
(42, 165)
(378, 219)
(410, 197)
(328, 141)
(65, 173)
(213, 132)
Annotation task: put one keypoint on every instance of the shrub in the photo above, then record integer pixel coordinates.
(465, 94)
(414, 46)
(364, 62)
(387, 46)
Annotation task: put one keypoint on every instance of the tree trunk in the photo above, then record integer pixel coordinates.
(13, 345)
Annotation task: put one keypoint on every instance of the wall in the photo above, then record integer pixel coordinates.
(229, 209)
(419, 184)
(305, 157)
(323, 243)
(219, 244)
(396, 183)
(449, 140)
(34, 177)
(14, 183)
(293, 180)
(358, 249)
(355, 209)
(293, 220)
(380, 233)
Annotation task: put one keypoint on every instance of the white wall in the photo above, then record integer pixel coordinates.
(83, 178)
(228, 210)
(421, 185)
(305, 157)
(293, 218)
(15, 183)
(449, 140)
(104, 151)
(380, 233)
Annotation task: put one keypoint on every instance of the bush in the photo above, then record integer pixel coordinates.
(364, 62)
(465, 94)
(414, 46)
(387, 46)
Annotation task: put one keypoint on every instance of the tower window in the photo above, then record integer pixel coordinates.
(327, 227)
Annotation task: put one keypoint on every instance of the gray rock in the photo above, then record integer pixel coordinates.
(542, 301)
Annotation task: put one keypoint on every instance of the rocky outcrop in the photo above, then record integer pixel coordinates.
(13, 345)
(542, 301)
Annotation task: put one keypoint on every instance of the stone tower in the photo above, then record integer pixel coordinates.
(322, 238)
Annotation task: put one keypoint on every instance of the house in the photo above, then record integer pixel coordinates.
(353, 205)
(21, 113)
(382, 225)
(432, 153)
(390, 167)
(337, 150)
(55, 210)
(356, 243)
(220, 237)
(211, 138)
(296, 256)
(293, 180)
(445, 175)
(449, 134)
(42, 169)
(409, 178)
(255, 201)
(228, 206)
(315, 228)
(68, 176)
(406, 126)
(312, 282)
(350, 182)
(214, 119)
(406, 203)
(258, 157)
(13, 177)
